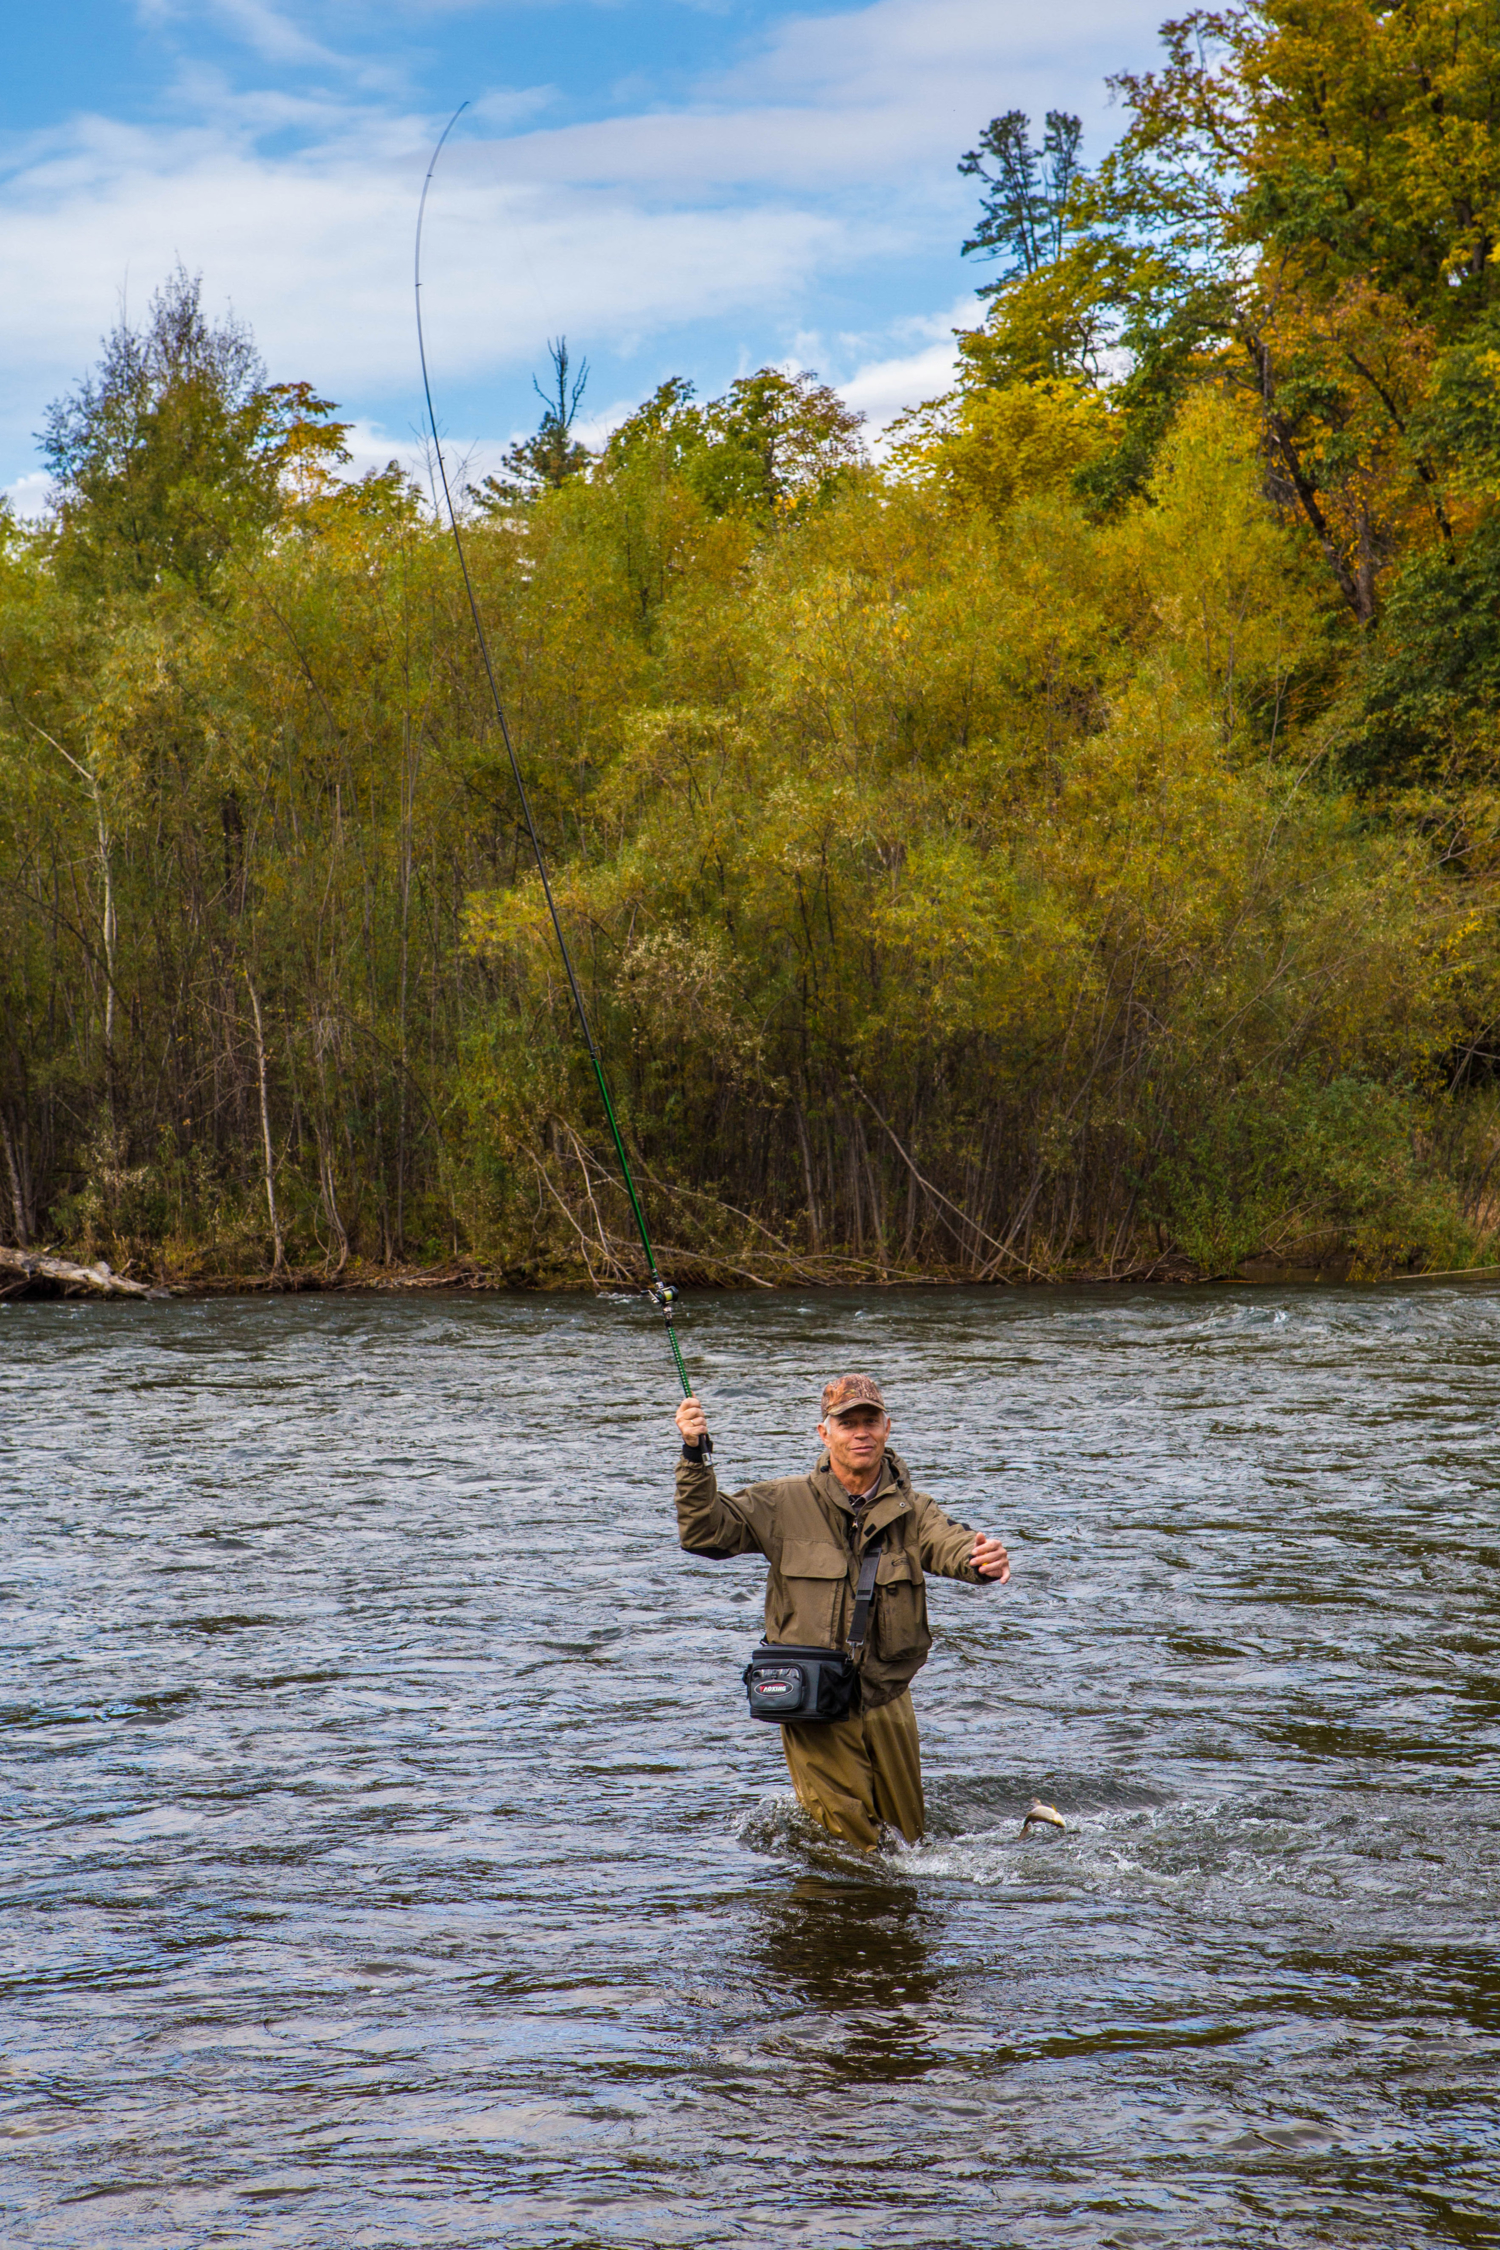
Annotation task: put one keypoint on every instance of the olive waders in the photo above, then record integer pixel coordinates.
(861, 1774)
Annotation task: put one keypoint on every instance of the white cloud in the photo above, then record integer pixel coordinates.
(28, 494)
(881, 374)
(853, 101)
(317, 251)
(266, 32)
(882, 388)
(894, 51)
(824, 157)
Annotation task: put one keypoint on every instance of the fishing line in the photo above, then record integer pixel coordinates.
(661, 1295)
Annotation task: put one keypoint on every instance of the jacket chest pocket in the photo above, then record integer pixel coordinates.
(812, 1582)
(900, 1620)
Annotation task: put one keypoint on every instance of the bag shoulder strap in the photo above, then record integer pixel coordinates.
(864, 1594)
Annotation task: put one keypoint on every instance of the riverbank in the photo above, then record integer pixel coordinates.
(44, 1274)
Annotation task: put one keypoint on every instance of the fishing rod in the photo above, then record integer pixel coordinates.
(662, 1295)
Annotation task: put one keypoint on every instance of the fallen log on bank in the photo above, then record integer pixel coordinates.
(35, 1265)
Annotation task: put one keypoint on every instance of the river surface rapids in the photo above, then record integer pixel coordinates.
(390, 1862)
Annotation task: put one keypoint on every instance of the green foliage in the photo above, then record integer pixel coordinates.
(174, 447)
(774, 443)
(1429, 707)
(1270, 1167)
(1304, 203)
(1024, 206)
(957, 872)
(991, 445)
(1431, 704)
(547, 460)
(1302, 214)
(985, 830)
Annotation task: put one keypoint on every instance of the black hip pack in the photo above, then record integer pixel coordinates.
(792, 1686)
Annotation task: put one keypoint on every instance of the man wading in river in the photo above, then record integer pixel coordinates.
(862, 1773)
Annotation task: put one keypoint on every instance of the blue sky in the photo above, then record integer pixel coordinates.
(679, 188)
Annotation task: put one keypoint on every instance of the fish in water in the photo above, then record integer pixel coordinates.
(1041, 1816)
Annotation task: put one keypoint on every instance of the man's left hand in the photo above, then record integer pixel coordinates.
(990, 1559)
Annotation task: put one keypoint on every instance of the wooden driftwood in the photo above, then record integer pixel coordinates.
(34, 1265)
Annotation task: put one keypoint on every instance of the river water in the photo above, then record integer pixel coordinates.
(389, 1860)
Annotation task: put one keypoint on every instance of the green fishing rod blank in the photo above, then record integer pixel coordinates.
(662, 1295)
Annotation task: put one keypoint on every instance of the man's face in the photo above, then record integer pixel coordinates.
(856, 1440)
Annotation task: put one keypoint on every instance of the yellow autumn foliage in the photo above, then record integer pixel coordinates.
(956, 883)
(990, 447)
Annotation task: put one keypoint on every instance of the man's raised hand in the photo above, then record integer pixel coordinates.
(692, 1422)
(987, 1556)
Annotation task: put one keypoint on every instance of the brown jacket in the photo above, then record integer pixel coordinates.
(805, 1528)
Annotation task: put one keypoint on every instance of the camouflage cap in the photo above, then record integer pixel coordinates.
(846, 1391)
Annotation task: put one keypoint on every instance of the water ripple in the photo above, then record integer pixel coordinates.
(390, 1863)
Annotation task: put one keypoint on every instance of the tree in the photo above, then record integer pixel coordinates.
(553, 456)
(1024, 217)
(1305, 205)
(775, 441)
(1313, 195)
(173, 446)
(667, 426)
(772, 443)
(1027, 415)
